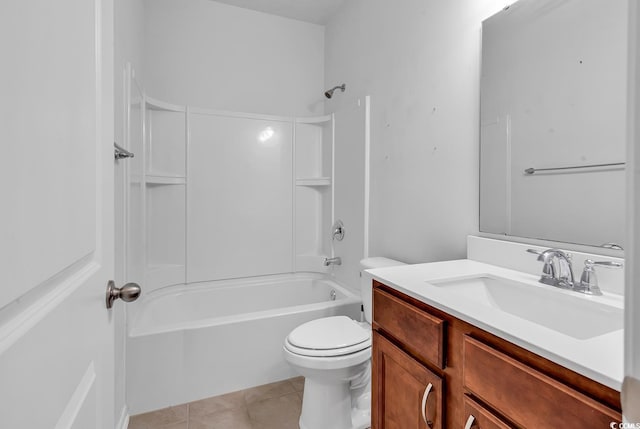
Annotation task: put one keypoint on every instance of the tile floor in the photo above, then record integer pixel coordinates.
(271, 406)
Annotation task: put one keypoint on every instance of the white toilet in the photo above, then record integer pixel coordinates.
(334, 356)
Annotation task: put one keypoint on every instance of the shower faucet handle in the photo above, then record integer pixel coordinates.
(337, 230)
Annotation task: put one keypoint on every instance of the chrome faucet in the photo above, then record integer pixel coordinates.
(332, 261)
(557, 271)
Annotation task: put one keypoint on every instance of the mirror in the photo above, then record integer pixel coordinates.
(553, 121)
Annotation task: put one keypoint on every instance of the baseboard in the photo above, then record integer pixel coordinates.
(123, 421)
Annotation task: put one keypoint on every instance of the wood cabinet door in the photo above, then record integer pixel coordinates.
(406, 395)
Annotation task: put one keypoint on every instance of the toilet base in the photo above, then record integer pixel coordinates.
(326, 405)
(361, 418)
(330, 405)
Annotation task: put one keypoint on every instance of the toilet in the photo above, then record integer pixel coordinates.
(334, 356)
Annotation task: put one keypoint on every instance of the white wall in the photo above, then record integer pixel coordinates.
(128, 48)
(208, 54)
(239, 198)
(420, 62)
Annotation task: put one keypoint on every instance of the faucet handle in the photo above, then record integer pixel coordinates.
(589, 280)
(606, 264)
(544, 255)
(548, 270)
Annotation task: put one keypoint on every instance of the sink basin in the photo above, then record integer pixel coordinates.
(576, 316)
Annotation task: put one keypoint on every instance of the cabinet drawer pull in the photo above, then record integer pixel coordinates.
(425, 396)
(471, 423)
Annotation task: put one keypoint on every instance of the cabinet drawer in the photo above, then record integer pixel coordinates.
(477, 417)
(420, 332)
(526, 396)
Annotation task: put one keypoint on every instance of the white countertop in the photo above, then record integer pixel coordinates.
(599, 358)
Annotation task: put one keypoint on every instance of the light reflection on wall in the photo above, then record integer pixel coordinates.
(266, 135)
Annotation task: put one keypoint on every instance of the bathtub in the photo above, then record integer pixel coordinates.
(194, 341)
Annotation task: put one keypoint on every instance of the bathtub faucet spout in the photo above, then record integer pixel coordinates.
(332, 261)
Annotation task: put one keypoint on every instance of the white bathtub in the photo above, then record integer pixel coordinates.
(194, 341)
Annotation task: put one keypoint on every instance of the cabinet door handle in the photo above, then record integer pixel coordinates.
(425, 396)
(471, 423)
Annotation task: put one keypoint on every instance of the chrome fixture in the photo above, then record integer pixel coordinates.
(557, 271)
(337, 230)
(613, 246)
(573, 167)
(332, 261)
(329, 93)
(589, 282)
(333, 295)
(129, 292)
(120, 152)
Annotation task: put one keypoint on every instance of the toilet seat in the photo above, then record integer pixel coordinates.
(329, 336)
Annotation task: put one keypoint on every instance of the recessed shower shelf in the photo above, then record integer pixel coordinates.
(154, 104)
(313, 181)
(313, 119)
(165, 180)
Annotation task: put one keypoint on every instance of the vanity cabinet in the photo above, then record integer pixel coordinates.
(432, 370)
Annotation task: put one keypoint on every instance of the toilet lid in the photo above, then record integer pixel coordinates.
(329, 333)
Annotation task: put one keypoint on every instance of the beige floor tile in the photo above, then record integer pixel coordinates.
(216, 404)
(167, 418)
(267, 391)
(282, 412)
(182, 425)
(228, 419)
(133, 424)
(298, 383)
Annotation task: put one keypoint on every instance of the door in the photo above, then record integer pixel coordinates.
(405, 394)
(56, 213)
(630, 397)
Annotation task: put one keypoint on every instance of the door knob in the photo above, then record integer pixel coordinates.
(127, 293)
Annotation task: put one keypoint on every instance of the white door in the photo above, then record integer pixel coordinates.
(56, 213)
(631, 386)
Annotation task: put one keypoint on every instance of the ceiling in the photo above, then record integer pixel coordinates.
(315, 11)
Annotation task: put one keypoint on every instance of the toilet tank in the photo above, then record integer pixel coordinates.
(366, 290)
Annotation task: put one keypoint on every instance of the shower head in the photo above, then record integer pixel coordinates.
(329, 93)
